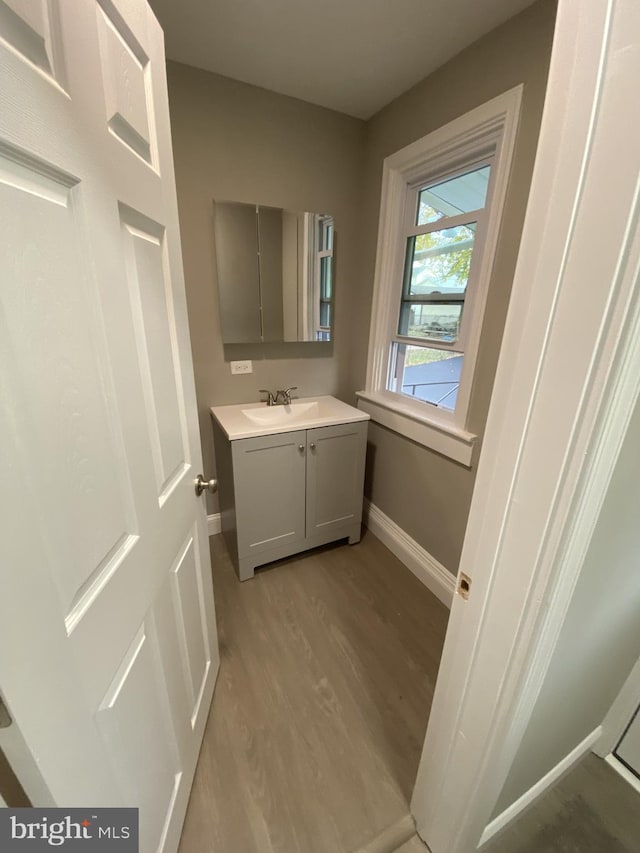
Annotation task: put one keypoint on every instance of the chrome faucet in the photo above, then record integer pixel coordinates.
(285, 396)
(272, 398)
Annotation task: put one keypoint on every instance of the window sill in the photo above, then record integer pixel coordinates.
(446, 439)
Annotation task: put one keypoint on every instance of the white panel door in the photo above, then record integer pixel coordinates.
(628, 750)
(108, 652)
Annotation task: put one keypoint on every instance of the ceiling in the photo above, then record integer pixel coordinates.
(353, 56)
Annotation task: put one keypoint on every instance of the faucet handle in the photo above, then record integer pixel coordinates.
(271, 397)
(287, 393)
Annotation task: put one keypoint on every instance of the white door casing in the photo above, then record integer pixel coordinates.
(628, 750)
(108, 652)
(623, 709)
(567, 382)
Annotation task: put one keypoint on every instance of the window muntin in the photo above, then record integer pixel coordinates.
(324, 278)
(442, 223)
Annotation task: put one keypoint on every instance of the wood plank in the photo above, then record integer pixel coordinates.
(413, 845)
(11, 791)
(329, 662)
(392, 838)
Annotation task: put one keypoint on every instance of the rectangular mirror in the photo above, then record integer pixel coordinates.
(275, 273)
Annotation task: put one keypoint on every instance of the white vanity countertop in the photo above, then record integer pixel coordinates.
(247, 420)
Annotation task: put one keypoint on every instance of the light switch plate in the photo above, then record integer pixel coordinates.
(241, 367)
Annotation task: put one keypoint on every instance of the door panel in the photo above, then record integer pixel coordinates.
(31, 28)
(191, 623)
(150, 296)
(126, 80)
(132, 720)
(108, 653)
(47, 296)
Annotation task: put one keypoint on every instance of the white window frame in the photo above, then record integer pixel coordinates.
(311, 283)
(322, 222)
(487, 132)
(410, 229)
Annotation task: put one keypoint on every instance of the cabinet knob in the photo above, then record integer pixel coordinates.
(301, 448)
(312, 445)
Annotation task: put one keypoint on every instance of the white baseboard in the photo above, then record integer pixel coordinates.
(391, 838)
(425, 567)
(214, 524)
(623, 771)
(541, 786)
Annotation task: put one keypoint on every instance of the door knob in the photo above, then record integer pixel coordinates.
(205, 485)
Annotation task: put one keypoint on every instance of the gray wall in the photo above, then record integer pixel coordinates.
(426, 494)
(600, 639)
(237, 265)
(271, 277)
(237, 142)
(234, 141)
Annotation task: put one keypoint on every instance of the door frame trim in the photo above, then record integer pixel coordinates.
(622, 770)
(541, 786)
(620, 714)
(533, 513)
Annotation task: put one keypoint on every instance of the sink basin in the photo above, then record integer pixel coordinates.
(248, 420)
(273, 415)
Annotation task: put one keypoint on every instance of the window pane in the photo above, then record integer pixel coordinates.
(432, 375)
(325, 234)
(325, 313)
(438, 263)
(325, 278)
(329, 238)
(457, 195)
(439, 321)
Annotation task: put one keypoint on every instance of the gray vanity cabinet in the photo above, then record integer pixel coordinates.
(269, 476)
(285, 493)
(335, 478)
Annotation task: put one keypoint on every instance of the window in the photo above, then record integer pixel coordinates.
(442, 221)
(319, 275)
(324, 261)
(441, 206)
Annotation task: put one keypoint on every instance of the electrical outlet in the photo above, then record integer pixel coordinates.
(241, 367)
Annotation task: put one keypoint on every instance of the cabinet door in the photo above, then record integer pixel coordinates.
(335, 478)
(269, 477)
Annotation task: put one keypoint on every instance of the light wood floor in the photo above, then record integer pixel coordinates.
(328, 666)
(591, 810)
(413, 845)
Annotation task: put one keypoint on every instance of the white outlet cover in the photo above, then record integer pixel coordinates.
(241, 367)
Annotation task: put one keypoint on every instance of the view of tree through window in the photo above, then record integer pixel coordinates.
(453, 264)
(436, 273)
